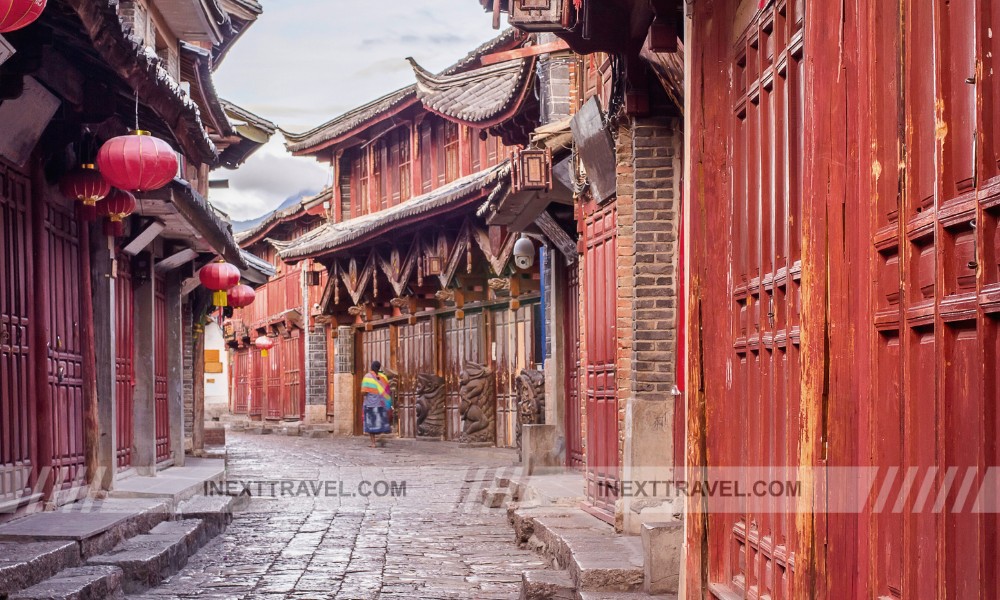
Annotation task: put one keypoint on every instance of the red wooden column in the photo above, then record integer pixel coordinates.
(40, 337)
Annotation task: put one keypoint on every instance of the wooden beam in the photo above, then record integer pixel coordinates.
(139, 242)
(558, 236)
(172, 262)
(499, 57)
(189, 285)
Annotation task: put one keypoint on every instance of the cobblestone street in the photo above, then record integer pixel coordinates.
(312, 539)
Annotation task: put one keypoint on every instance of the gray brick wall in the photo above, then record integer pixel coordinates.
(554, 76)
(316, 385)
(186, 325)
(656, 144)
(344, 348)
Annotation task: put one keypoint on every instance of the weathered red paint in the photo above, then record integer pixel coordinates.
(572, 368)
(242, 367)
(512, 336)
(866, 154)
(600, 285)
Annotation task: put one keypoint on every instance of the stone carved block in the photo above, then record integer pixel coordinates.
(430, 405)
(530, 388)
(479, 412)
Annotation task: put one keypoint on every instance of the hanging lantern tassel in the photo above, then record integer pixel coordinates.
(219, 277)
(116, 206)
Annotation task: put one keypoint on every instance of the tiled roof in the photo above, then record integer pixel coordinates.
(362, 115)
(331, 237)
(331, 130)
(250, 236)
(477, 96)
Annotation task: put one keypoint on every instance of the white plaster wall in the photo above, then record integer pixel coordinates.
(216, 384)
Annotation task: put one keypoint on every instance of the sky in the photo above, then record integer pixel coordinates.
(306, 61)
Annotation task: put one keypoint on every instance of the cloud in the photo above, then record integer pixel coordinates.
(270, 176)
(307, 61)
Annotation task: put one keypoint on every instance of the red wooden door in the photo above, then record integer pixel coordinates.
(291, 369)
(160, 394)
(18, 466)
(463, 341)
(273, 406)
(759, 416)
(415, 355)
(571, 341)
(124, 367)
(371, 346)
(65, 345)
(600, 302)
(241, 381)
(513, 339)
(260, 367)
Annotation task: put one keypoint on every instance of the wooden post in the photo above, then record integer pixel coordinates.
(91, 429)
(144, 369)
(175, 366)
(40, 343)
(102, 291)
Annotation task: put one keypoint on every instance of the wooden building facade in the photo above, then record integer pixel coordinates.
(92, 333)
(841, 176)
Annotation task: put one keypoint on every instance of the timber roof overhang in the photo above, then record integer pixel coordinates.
(113, 49)
(196, 67)
(335, 237)
(482, 97)
(212, 230)
(253, 132)
(350, 123)
(242, 14)
(258, 270)
(308, 206)
(196, 20)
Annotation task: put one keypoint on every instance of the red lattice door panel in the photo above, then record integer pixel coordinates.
(600, 286)
(65, 344)
(571, 339)
(124, 365)
(18, 434)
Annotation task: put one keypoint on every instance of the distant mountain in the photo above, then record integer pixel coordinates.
(239, 226)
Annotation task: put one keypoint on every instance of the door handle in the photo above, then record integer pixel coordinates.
(60, 374)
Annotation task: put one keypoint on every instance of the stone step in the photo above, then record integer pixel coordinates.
(149, 559)
(547, 584)
(96, 526)
(78, 583)
(501, 481)
(494, 497)
(23, 564)
(596, 558)
(216, 512)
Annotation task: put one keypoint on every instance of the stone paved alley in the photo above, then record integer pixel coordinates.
(436, 542)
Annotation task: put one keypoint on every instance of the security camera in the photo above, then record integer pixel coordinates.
(524, 253)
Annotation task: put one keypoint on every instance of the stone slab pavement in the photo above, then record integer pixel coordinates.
(333, 518)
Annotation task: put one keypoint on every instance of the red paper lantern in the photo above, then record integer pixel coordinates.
(116, 206)
(15, 14)
(263, 343)
(138, 162)
(219, 277)
(84, 184)
(241, 296)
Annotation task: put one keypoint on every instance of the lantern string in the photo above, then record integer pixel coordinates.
(137, 110)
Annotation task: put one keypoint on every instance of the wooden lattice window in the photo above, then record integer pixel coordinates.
(426, 158)
(360, 170)
(400, 164)
(380, 176)
(452, 162)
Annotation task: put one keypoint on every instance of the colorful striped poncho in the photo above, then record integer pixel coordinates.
(377, 384)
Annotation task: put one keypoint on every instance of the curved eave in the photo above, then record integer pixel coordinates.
(313, 141)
